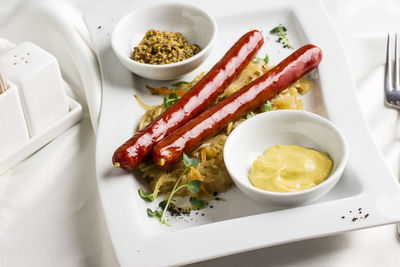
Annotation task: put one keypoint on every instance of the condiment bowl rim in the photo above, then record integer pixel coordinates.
(339, 169)
(127, 17)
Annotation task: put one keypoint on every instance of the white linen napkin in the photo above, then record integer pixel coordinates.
(367, 54)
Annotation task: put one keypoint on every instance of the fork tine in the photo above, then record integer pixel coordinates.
(396, 65)
(388, 73)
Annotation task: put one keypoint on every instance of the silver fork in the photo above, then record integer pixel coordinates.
(392, 93)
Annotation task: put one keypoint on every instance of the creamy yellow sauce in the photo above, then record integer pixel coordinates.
(290, 168)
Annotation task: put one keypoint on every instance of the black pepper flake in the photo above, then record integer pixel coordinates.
(177, 211)
(350, 211)
(202, 214)
(217, 198)
(366, 215)
(99, 27)
(343, 217)
(211, 206)
(215, 194)
(354, 219)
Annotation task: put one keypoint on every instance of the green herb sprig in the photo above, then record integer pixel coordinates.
(149, 197)
(249, 115)
(193, 186)
(280, 30)
(268, 106)
(171, 99)
(157, 214)
(197, 203)
(259, 59)
(176, 85)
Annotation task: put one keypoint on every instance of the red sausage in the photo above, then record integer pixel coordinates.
(210, 122)
(139, 147)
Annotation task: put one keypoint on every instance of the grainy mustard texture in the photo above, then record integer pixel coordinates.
(162, 47)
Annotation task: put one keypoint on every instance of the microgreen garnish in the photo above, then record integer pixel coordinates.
(268, 106)
(170, 99)
(176, 85)
(197, 203)
(147, 196)
(193, 186)
(162, 204)
(249, 115)
(157, 214)
(280, 30)
(189, 162)
(259, 59)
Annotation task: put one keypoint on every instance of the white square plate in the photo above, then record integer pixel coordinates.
(239, 224)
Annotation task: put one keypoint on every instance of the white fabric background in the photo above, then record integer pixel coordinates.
(50, 212)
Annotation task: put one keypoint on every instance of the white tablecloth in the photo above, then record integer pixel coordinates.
(50, 212)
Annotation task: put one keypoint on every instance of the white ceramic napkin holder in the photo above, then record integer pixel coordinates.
(34, 109)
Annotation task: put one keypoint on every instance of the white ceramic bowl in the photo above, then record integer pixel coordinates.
(283, 127)
(195, 24)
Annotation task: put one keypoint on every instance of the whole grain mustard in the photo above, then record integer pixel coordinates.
(163, 47)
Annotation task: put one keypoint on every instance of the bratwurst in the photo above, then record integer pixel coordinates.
(199, 97)
(210, 122)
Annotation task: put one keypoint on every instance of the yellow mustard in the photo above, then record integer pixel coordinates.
(290, 168)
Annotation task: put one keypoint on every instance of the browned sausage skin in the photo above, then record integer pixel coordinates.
(139, 147)
(210, 122)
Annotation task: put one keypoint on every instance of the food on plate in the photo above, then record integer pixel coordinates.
(139, 147)
(291, 98)
(163, 47)
(290, 168)
(186, 138)
(211, 169)
(167, 205)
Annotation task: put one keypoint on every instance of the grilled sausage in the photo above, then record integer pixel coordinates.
(200, 96)
(210, 122)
